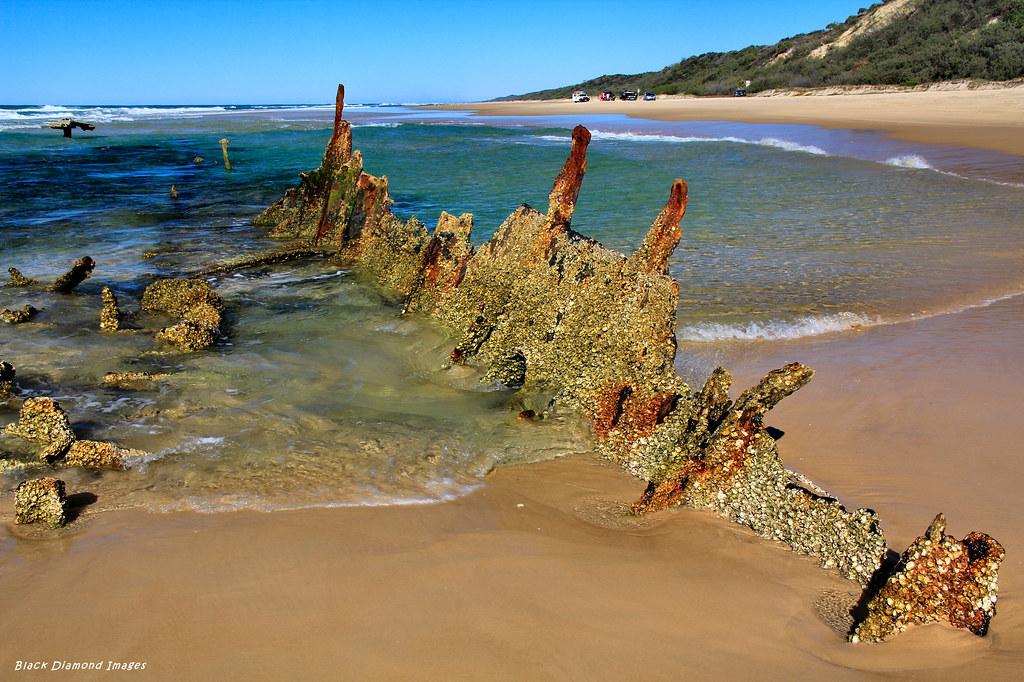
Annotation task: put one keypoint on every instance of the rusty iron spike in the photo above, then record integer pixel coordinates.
(562, 200)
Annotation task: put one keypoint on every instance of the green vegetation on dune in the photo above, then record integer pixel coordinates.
(899, 42)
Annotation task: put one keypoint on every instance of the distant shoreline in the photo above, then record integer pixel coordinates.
(982, 116)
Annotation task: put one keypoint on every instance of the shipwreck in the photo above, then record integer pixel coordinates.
(573, 325)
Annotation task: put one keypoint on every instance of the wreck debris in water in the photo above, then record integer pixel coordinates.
(41, 500)
(44, 421)
(110, 314)
(7, 375)
(17, 279)
(572, 324)
(19, 316)
(79, 272)
(198, 306)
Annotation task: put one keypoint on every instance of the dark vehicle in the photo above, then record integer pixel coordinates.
(739, 92)
(650, 97)
(607, 96)
(628, 95)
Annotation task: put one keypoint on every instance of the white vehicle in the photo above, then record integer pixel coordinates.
(580, 96)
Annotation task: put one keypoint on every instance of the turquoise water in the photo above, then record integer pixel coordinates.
(321, 394)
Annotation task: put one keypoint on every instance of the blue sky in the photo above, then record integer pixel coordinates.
(273, 51)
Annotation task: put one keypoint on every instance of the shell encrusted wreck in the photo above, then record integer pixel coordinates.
(22, 314)
(110, 314)
(573, 325)
(44, 421)
(198, 306)
(79, 272)
(17, 279)
(41, 500)
(7, 375)
(938, 578)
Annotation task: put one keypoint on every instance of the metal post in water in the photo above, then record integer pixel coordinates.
(224, 148)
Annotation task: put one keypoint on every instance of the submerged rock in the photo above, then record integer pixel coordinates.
(193, 300)
(42, 420)
(938, 578)
(41, 500)
(7, 375)
(92, 454)
(18, 279)
(8, 463)
(110, 315)
(175, 297)
(133, 380)
(22, 314)
(188, 336)
(79, 272)
(547, 310)
(267, 258)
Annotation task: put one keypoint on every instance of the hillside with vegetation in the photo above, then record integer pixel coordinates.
(899, 42)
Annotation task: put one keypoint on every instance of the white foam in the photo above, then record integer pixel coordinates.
(773, 142)
(189, 445)
(910, 161)
(817, 325)
(917, 162)
(33, 117)
(439, 491)
(776, 330)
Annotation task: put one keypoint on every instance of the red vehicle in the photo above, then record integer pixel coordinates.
(607, 96)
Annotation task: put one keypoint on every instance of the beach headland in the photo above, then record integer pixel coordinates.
(980, 118)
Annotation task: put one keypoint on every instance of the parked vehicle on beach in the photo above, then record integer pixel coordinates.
(650, 97)
(628, 95)
(580, 96)
(739, 92)
(607, 96)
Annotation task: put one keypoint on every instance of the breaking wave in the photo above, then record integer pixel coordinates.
(27, 117)
(917, 162)
(817, 325)
(775, 330)
(34, 117)
(910, 161)
(775, 143)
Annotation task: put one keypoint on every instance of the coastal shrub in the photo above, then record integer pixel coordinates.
(938, 40)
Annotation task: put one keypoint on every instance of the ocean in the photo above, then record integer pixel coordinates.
(322, 394)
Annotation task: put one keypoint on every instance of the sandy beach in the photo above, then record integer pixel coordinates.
(991, 119)
(539, 575)
(305, 378)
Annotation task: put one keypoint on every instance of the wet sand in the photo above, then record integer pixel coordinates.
(538, 575)
(991, 119)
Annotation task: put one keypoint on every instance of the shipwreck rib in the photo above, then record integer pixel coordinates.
(574, 325)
